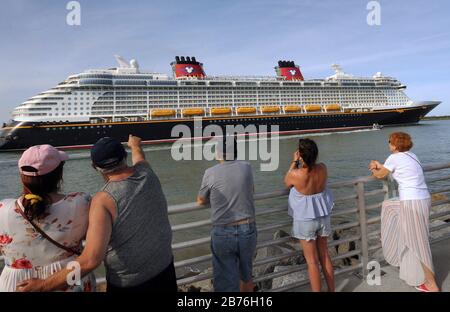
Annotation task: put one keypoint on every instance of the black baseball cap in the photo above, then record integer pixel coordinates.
(107, 153)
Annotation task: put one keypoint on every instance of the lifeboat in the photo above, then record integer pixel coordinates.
(333, 107)
(221, 111)
(246, 110)
(193, 112)
(313, 108)
(292, 108)
(270, 109)
(162, 112)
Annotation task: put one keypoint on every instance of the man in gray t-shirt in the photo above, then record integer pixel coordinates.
(228, 187)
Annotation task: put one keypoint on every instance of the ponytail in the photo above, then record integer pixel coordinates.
(37, 190)
(34, 205)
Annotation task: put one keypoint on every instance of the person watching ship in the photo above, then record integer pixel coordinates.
(128, 228)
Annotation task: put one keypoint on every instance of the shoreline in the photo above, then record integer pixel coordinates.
(436, 118)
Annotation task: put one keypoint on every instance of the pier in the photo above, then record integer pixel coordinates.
(356, 240)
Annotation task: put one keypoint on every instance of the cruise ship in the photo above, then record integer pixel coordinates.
(124, 100)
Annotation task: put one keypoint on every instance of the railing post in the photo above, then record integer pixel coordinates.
(362, 226)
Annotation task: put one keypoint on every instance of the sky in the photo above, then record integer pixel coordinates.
(38, 48)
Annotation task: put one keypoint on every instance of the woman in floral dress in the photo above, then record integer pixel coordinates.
(27, 252)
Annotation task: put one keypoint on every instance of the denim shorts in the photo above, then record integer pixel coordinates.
(233, 249)
(310, 229)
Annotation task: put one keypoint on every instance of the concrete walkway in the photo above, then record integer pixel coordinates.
(390, 281)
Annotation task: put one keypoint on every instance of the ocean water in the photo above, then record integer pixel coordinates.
(346, 155)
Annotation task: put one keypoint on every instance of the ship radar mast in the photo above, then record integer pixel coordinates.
(337, 69)
(339, 72)
(121, 61)
(127, 68)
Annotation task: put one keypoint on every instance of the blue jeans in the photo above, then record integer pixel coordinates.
(233, 248)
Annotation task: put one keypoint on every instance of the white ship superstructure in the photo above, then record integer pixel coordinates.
(127, 94)
(120, 101)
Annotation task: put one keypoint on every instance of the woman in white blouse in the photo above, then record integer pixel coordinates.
(404, 233)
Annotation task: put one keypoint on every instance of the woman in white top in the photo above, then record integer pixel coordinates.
(404, 228)
(42, 230)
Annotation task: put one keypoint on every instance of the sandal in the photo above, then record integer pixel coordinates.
(422, 288)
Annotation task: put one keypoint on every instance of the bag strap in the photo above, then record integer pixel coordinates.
(414, 159)
(40, 231)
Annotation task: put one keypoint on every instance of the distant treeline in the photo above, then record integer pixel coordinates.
(436, 118)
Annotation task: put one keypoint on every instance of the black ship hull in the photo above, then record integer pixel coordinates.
(21, 135)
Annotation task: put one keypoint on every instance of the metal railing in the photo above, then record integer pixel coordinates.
(364, 217)
(360, 220)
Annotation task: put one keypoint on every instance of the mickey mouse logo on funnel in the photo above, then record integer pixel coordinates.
(187, 68)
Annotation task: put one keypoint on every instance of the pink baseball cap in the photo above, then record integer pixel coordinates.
(43, 158)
